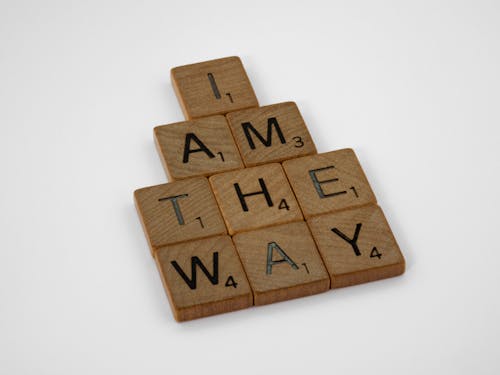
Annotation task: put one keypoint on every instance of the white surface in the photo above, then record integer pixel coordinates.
(414, 89)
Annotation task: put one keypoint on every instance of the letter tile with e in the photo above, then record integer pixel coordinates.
(328, 182)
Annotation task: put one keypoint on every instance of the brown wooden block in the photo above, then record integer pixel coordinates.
(255, 197)
(178, 211)
(281, 262)
(213, 87)
(328, 182)
(357, 246)
(203, 278)
(197, 148)
(270, 134)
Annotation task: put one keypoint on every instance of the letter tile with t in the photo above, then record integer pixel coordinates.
(197, 148)
(357, 246)
(328, 182)
(270, 134)
(281, 262)
(255, 197)
(203, 277)
(178, 211)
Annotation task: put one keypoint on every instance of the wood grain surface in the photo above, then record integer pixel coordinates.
(203, 277)
(328, 182)
(357, 246)
(281, 262)
(273, 133)
(213, 87)
(255, 197)
(168, 220)
(197, 148)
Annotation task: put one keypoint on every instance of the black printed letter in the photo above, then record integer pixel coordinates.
(187, 147)
(242, 196)
(247, 126)
(354, 240)
(195, 261)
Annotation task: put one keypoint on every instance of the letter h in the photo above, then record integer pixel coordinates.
(242, 196)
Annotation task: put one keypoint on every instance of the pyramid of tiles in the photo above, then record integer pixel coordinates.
(252, 214)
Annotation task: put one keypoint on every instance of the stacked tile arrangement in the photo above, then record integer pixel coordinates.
(253, 214)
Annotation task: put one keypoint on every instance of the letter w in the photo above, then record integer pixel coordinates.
(195, 261)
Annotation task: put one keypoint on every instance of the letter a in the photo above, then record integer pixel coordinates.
(271, 246)
(188, 150)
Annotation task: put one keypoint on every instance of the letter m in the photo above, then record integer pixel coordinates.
(196, 262)
(271, 122)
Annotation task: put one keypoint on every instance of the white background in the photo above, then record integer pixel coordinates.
(414, 88)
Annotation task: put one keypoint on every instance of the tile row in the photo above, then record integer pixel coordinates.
(252, 198)
(220, 274)
(246, 138)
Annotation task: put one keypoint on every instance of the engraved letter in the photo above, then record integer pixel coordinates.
(317, 183)
(271, 246)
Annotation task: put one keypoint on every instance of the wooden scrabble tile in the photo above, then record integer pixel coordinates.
(203, 278)
(255, 197)
(357, 246)
(281, 262)
(178, 211)
(328, 182)
(213, 87)
(197, 148)
(270, 134)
